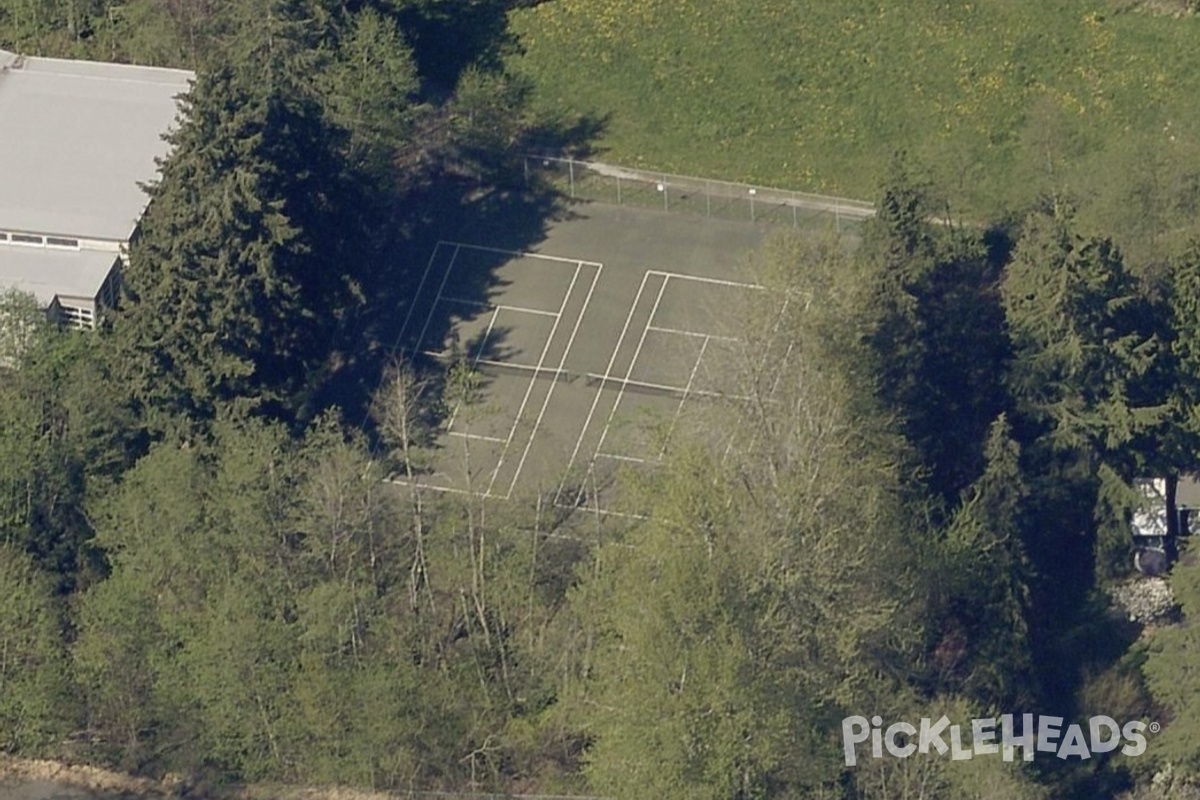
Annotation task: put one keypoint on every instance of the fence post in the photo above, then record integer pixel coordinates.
(618, 190)
(525, 161)
(707, 198)
(666, 203)
(571, 172)
(795, 217)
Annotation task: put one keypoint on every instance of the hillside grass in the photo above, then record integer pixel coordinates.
(1002, 100)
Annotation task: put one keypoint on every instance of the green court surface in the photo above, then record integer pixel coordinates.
(589, 346)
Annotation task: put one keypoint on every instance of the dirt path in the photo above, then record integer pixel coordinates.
(28, 779)
(17, 789)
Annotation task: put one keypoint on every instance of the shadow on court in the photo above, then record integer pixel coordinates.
(448, 207)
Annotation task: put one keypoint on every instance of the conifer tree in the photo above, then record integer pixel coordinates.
(1180, 443)
(932, 334)
(981, 599)
(1084, 340)
(237, 287)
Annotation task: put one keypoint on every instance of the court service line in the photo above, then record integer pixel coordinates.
(532, 381)
(596, 400)
(476, 436)
(662, 387)
(693, 334)
(416, 297)
(615, 457)
(432, 488)
(475, 363)
(632, 365)
(686, 391)
(441, 288)
(550, 392)
(502, 307)
(766, 354)
(524, 254)
(716, 281)
(606, 512)
(514, 365)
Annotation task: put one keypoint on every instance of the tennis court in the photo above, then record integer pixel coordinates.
(589, 350)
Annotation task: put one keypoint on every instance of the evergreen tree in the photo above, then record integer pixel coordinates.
(448, 36)
(980, 597)
(1084, 341)
(236, 290)
(1180, 442)
(932, 333)
(369, 87)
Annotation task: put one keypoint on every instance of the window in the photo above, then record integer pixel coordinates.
(25, 238)
(3, 236)
(77, 317)
(56, 241)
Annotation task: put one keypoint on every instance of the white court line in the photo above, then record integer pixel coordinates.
(553, 373)
(413, 304)
(630, 382)
(523, 254)
(482, 344)
(519, 309)
(695, 334)
(699, 279)
(532, 381)
(632, 365)
(561, 363)
(596, 400)
(433, 307)
(606, 512)
(686, 391)
(615, 457)
(432, 488)
(762, 365)
(475, 436)
(491, 362)
(779, 375)
(665, 388)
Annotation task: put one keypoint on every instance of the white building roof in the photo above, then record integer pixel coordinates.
(48, 272)
(76, 138)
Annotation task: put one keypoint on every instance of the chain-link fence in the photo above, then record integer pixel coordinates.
(590, 180)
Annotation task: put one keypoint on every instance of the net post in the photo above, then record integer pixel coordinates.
(795, 216)
(666, 203)
(571, 173)
(618, 190)
(525, 161)
(707, 198)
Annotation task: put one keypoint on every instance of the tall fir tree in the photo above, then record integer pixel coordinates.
(238, 287)
(981, 600)
(1084, 340)
(932, 332)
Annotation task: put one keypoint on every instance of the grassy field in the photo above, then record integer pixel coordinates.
(1000, 99)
